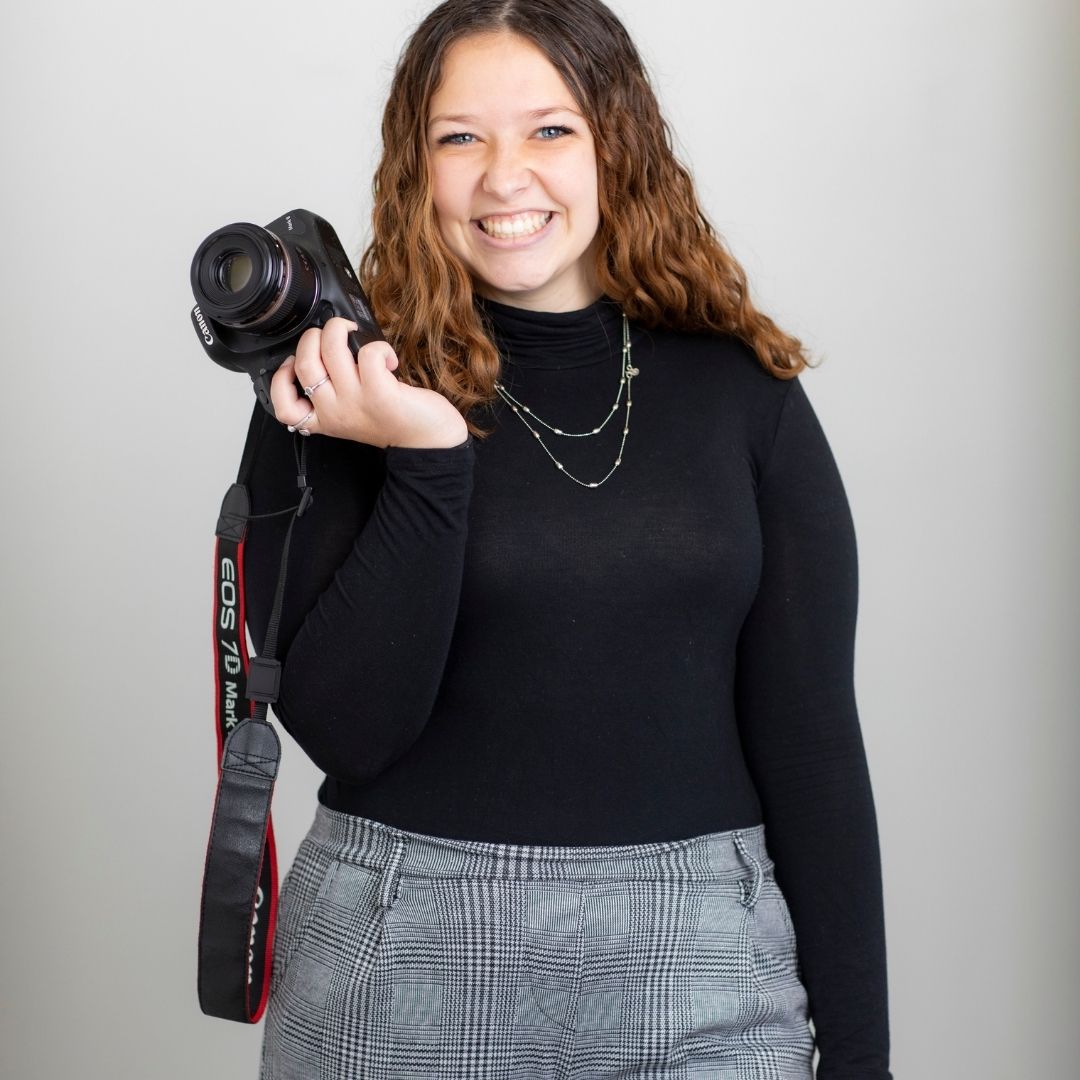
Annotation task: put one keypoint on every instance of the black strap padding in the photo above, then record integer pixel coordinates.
(234, 864)
(235, 510)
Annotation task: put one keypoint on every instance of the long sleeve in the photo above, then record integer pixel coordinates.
(799, 725)
(373, 590)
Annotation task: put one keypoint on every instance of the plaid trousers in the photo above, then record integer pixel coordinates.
(413, 957)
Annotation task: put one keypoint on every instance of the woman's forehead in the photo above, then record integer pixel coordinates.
(498, 76)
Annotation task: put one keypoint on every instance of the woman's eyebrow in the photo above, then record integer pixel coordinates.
(536, 114)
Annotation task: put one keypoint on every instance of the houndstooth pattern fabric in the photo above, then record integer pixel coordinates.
(400, 956)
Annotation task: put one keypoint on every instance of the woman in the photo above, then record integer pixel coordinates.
(564, 667)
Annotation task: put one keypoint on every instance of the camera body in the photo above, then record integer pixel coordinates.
(258, 289)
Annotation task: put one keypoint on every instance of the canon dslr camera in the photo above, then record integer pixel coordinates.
(258, 289)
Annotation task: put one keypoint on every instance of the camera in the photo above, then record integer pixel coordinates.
(257, 289)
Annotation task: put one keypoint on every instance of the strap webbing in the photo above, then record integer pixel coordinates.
(240, 885)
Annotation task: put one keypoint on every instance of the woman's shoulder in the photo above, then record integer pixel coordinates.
(719, 360)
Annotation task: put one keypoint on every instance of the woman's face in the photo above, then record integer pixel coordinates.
(514, 174)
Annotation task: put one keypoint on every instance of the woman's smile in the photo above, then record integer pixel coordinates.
(515, 226)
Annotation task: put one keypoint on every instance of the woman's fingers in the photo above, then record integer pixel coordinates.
(338, 395)
(309, 367)
(290, 406)
(375, 359)
(337, 358)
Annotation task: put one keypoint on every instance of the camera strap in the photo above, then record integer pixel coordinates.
(239, 891)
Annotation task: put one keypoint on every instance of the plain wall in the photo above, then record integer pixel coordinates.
(899, 180)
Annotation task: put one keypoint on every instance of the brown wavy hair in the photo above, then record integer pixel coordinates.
(658, 256)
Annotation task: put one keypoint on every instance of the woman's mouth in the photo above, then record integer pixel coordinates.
(514, 226)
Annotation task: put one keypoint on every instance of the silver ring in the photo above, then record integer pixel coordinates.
(309, 390)
(298, 426)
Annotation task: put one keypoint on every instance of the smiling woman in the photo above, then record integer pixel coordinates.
(513, 184)
(596, 802)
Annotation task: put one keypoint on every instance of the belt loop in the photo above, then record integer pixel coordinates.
(388, 889)
(759, 873)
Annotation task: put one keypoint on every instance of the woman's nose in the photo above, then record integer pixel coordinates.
(508, 171)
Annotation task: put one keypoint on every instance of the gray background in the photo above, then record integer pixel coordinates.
(899, 180)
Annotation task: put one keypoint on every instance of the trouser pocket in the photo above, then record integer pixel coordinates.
(772, 934)
(334, 929)
(301, 891)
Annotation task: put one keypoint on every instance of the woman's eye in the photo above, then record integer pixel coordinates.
(464, 138)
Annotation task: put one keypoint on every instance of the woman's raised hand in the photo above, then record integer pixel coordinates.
(360, 400)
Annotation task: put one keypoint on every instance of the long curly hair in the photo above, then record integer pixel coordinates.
(658, 256)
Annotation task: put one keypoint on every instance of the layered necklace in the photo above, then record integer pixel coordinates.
(626, 374)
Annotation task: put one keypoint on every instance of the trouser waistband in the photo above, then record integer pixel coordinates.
(397, 852)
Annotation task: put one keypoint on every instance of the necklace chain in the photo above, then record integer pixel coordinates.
(626, 375)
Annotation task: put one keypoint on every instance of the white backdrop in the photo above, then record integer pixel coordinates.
(898, 178)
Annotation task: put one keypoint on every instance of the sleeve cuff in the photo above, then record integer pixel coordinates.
(406, 454)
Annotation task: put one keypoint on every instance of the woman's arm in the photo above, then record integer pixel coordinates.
(373, 585)
(800, 730)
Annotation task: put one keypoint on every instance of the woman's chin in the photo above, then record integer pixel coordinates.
(542, 291)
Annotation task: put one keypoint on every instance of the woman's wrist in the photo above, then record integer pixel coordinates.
(445, 439)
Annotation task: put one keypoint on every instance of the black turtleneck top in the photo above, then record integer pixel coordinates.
(477, 647)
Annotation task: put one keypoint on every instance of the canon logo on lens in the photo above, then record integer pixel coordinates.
(207, 336)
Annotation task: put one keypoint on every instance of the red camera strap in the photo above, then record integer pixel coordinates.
(240, 883)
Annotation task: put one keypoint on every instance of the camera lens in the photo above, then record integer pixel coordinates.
(235, 271)
(246, 277)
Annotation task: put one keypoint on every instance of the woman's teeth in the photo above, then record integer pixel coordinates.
(518, 225)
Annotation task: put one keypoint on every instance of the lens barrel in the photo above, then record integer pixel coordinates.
(247, 278)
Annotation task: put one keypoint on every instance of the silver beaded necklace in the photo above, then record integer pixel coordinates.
(627, 374)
